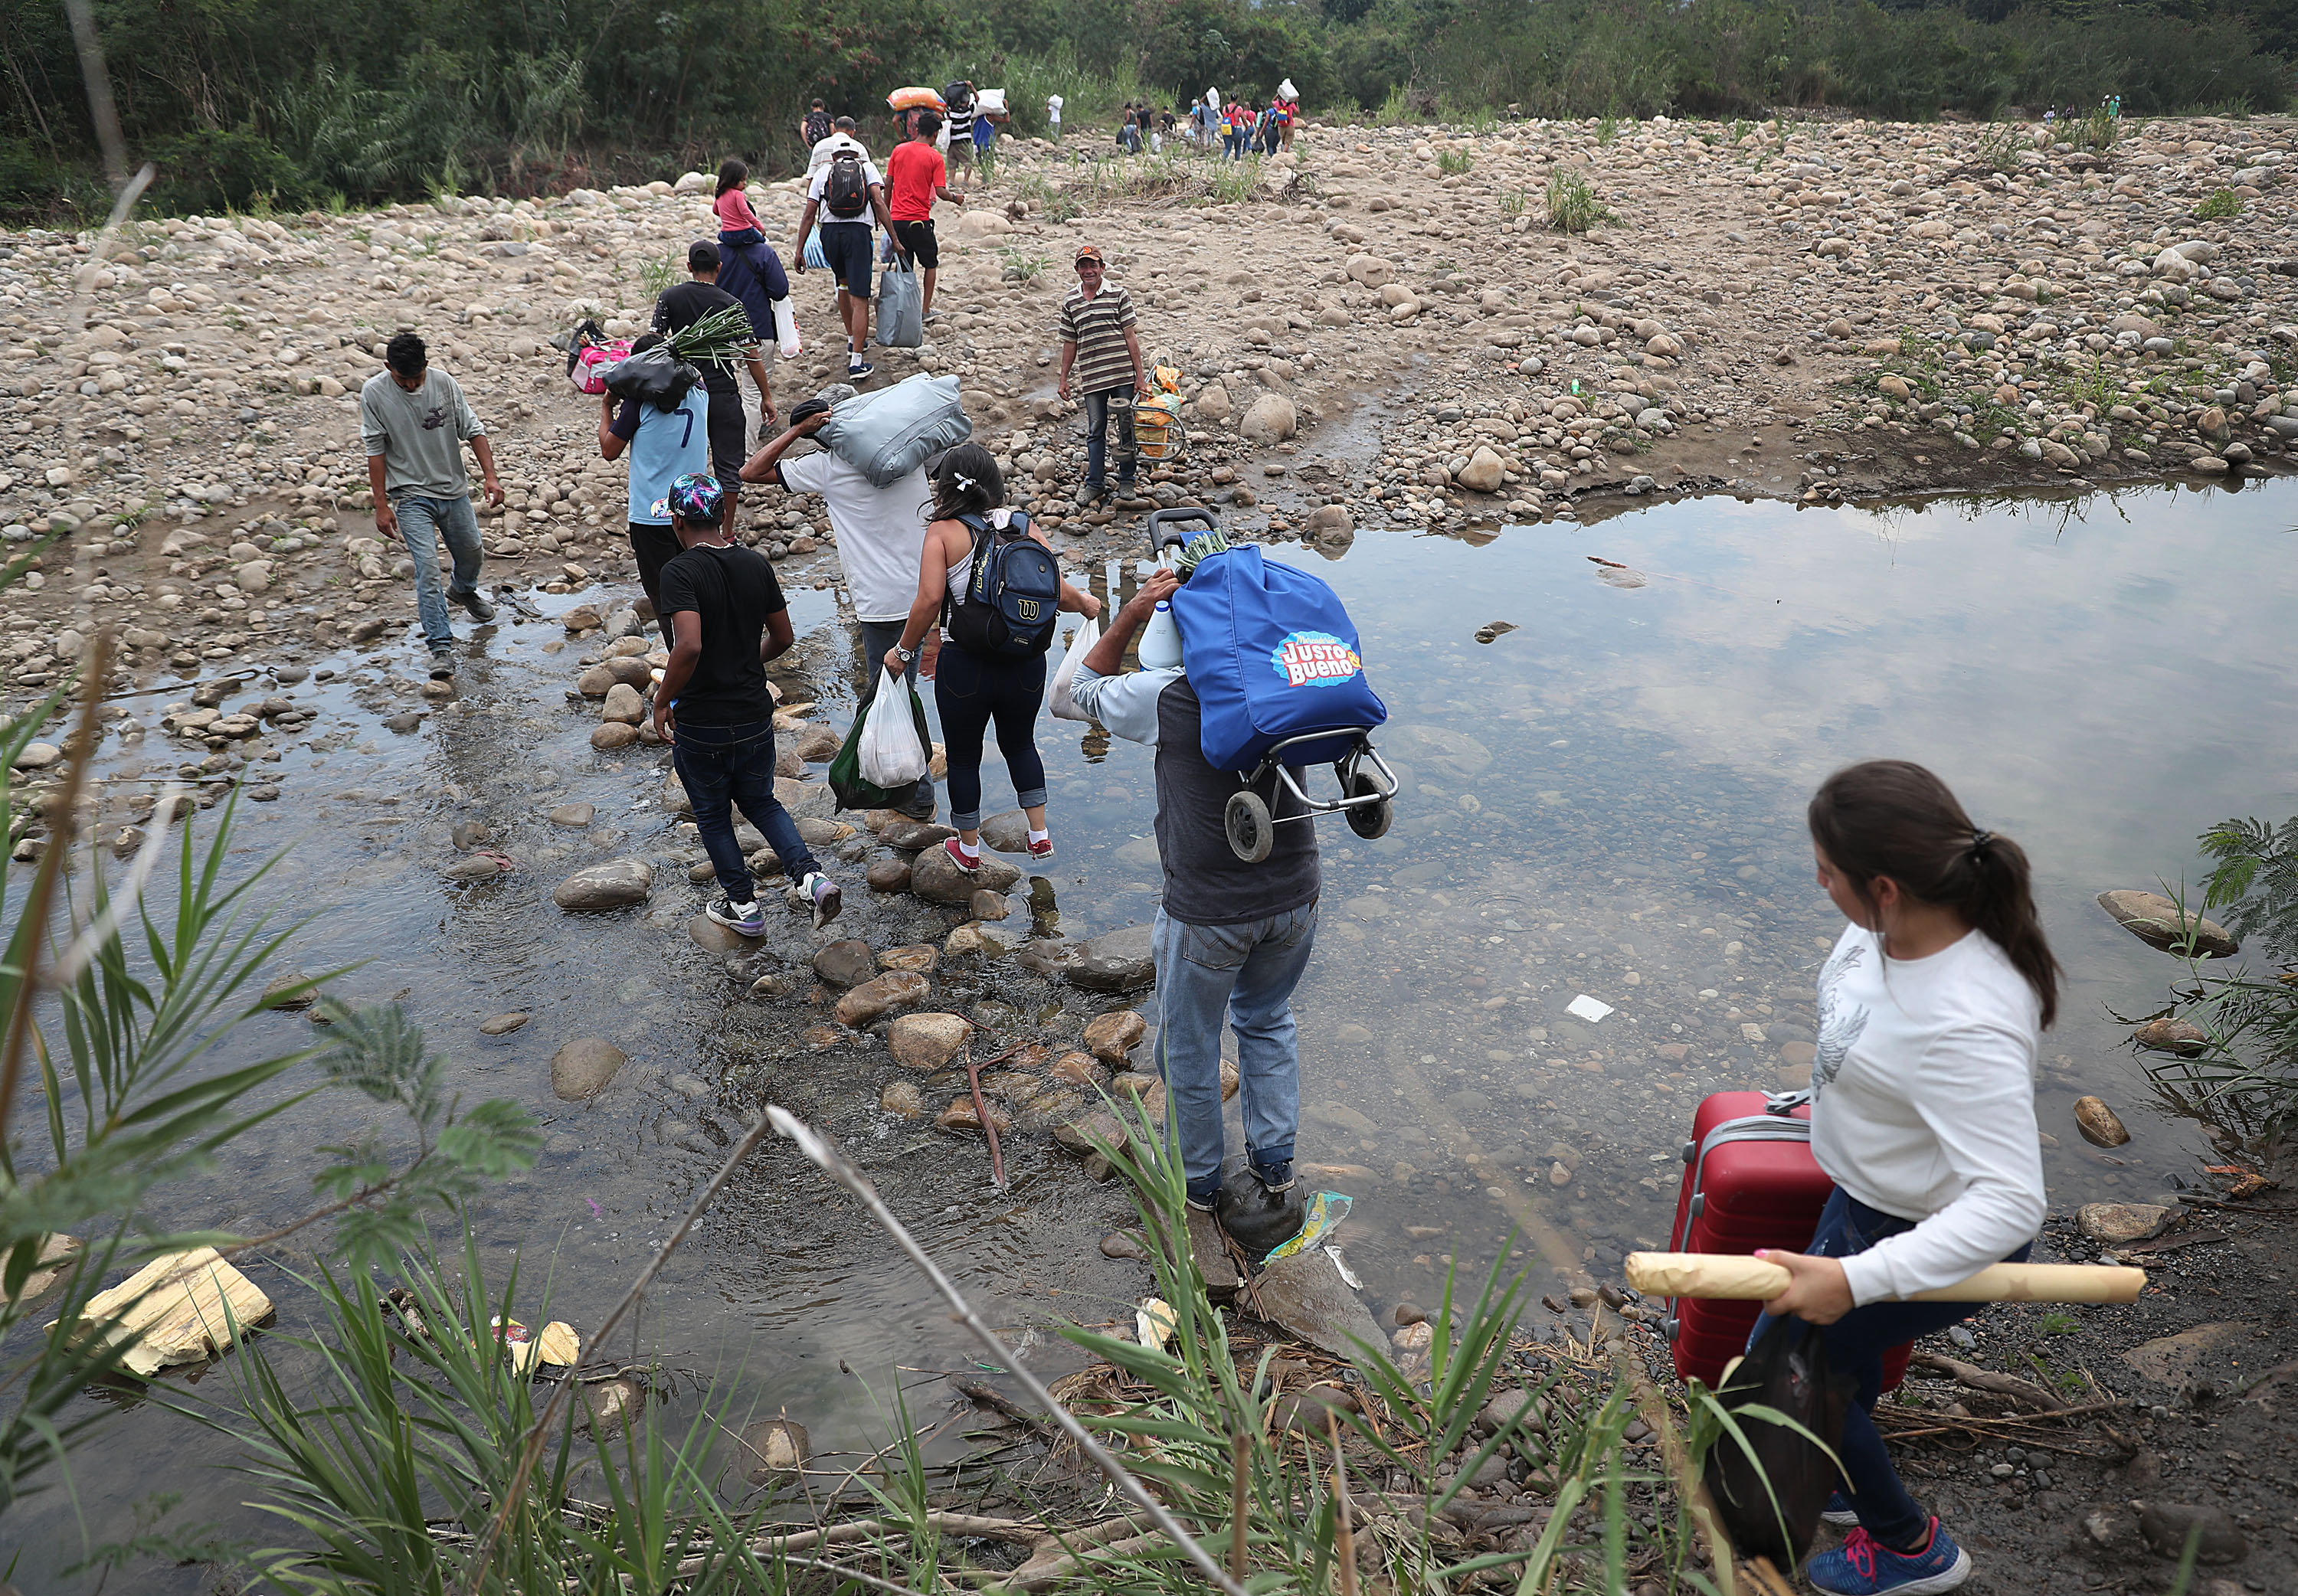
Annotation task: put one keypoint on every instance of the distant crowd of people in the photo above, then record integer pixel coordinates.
(1238, 126)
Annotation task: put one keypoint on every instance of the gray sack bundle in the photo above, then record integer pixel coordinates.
(887, 433)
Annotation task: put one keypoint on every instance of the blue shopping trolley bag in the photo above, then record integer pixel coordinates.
(1271, 654)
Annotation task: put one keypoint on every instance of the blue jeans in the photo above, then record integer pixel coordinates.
(1856, 1345)
(1247, 971)
(971, 691)
(877, 637)
(722, 766)
(422, 523)
(1098, 409)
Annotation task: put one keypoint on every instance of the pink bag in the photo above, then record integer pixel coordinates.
(593, 360)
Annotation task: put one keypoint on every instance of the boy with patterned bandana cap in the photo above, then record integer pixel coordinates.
(714, 708)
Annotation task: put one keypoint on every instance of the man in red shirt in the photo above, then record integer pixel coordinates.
(915, 176)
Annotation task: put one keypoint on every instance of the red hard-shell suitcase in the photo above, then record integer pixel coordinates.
(1750, 1181)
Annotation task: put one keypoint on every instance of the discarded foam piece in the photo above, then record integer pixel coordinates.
(189, 1304)
(1305, 1296)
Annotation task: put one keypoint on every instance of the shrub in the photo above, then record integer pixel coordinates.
(1452, 163)
(2224, 206)
(1573, 206)
(224, 169)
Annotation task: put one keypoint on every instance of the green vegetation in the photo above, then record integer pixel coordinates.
(1572, 204)
(1021, 266)
(2222, 205)
(304, 107)
(1452, 163)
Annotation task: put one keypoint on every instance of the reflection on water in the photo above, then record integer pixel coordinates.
(1604, 800)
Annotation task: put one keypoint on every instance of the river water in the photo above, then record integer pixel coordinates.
(1605, 801)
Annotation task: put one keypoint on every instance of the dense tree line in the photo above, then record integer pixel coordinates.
(280, 102)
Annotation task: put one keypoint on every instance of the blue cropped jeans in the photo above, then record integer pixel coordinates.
(422, 523)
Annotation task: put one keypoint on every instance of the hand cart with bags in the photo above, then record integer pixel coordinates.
(1272, 656)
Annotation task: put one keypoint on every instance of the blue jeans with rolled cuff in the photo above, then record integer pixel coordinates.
(722, 768)
(1856, 1345)
(970, 691)
(1099, 409)
(1246, 973)
(422, 523)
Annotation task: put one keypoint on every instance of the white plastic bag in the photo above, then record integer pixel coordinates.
(1065, 708)
(892, 754)
(786, 328)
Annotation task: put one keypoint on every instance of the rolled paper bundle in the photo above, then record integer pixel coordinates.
(1751, 1279)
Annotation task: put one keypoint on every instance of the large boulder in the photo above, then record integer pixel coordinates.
(1271, 421)
(584, 1068)
(2159, 922)
(607, 886)
(1118, 961)
(935, 877)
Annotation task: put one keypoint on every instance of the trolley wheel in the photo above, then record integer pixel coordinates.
(1251, 833)
(1368, 821)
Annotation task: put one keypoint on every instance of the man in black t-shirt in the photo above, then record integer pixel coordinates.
(713, 707)
(681, 307)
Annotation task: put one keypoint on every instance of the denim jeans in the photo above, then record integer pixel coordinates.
(422, 523)
(1247, 972)
(1099, 408)
(724, 766)
(971, 691)
(877, 637)
(1856, 1345)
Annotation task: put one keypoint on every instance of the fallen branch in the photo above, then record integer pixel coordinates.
(997, 1402)
(1042, 1572)
(2027, 1394)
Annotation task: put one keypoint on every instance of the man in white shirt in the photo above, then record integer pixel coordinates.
(881, 536)
(1054, 115)
(844, 193)
(841, 139)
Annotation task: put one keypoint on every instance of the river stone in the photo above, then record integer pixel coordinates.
(1305, 1296)
(2167, 1525)
(817, 745)
(596, 682)
(2115, 1223)
(574, 816)
(913, 835)
(846, 963)
(624, 704)
(961, 1115)
(2167, 1035)
(632, 669)
(806, 800)
(1484, 471)
(2098, 1123)
(38, 755)
(1008, 833)
(610, 1406)
(887, 875)
(502, 1025)
(613, 735)
(1112, 1036)
(478, 867)
(581, 1069)
(1117, 961)
(2158, 922)
(1079, 1069)
(777, 1447)
(902, 1099)
(607, 886)
(926, 1041)
(935, 877)
(875, 999)
(987, 905)
(919, 957)
(711, 937)
(1123, 1244)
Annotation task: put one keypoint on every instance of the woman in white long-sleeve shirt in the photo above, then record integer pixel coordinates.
(1932, 1010)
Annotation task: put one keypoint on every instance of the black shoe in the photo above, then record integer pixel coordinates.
(1276, 1179)
(475, 602)
(924, 809)
(1091, 494)
(442, 666)
(1262, 1218)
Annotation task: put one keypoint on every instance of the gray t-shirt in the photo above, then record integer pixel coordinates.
(420, 436)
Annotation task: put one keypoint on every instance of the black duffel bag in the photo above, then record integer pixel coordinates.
(658, 378)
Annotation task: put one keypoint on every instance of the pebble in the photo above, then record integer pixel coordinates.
(2098, 1123)
(926, 1041)
(611, 885)
(845, 963)
(584, 1068)
(502, 1025)
(1111, 1037)
(874, 999)
(1123, 1244)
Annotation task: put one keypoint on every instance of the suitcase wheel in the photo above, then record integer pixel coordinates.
(1698, 1204)
(1690, 1151)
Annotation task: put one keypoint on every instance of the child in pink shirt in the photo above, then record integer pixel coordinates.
(738, 223)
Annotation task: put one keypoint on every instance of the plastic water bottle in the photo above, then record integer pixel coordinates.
(1159, 649)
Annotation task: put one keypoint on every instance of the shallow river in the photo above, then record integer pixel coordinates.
(1605, 801)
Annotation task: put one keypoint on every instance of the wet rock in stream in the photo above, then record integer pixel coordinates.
(586, 1067)
(612, 885)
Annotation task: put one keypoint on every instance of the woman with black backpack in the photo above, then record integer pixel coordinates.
(989, 576)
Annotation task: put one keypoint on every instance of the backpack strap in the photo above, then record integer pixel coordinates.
(977, 526)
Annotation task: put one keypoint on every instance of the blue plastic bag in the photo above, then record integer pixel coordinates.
(1271, 654)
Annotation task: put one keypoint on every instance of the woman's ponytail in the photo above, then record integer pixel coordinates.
(1889, 817)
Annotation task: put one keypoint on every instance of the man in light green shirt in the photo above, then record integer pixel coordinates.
(413, 422)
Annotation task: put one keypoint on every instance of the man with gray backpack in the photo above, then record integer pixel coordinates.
(846, 193)
(989, 577)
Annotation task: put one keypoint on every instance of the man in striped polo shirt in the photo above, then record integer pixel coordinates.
(1099, 341)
